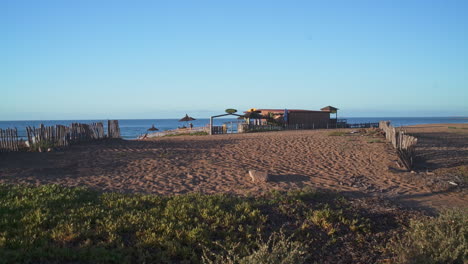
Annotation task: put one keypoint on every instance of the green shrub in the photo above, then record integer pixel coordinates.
(42, 145)
(57, 224)
(53, 224)
(278, 249)
(443, 239)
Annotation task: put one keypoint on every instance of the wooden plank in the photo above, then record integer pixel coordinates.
(2, 146)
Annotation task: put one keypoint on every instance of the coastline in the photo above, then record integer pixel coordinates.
(134, 128)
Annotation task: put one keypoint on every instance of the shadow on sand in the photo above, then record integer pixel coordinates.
(288, 178)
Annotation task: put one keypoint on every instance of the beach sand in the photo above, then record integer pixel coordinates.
(355, 164)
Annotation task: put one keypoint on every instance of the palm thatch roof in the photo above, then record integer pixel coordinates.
(153, 128)
(186, 118)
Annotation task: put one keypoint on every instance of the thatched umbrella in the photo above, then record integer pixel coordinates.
(187, 118)
(153, 128)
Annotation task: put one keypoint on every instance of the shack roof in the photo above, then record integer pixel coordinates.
(281, 111)
(329, 109)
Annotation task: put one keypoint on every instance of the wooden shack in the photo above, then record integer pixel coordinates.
(295, 118)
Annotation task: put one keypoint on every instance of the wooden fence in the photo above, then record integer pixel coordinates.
(44, 137)
(86, 132)
(403, 143)
(9, 140)
(113, 129)
(218, 130)
(55, 136)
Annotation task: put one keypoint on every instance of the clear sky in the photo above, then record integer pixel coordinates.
(160, 59)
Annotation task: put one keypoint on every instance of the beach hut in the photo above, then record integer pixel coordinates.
(221, 129)
(294, 118)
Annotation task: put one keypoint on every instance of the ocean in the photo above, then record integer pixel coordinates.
(132, 128)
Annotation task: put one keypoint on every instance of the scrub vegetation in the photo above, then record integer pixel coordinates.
(54, 224)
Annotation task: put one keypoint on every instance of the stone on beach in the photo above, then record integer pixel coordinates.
(258, 176)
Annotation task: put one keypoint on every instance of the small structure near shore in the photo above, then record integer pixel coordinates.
(220, 129)
(294, 118)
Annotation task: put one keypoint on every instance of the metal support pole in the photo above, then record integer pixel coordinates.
(211, 125)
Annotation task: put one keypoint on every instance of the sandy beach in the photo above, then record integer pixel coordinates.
(355, 164)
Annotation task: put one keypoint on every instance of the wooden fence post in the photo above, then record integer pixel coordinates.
(113, 129)
(9, 140)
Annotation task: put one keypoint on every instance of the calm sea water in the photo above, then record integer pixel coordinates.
(132, 128)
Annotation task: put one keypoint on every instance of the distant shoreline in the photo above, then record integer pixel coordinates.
(204, 118)
(134, 128)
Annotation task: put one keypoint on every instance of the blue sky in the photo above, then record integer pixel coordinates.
(161, 59)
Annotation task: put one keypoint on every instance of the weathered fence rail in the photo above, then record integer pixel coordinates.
(113, 129)
(9, 140)
(43, 137)
(404, 144)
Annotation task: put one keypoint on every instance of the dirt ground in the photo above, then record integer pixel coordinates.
(352, 163)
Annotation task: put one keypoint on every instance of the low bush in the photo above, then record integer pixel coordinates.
(57, 224)
(53, 224)
(279, 249)
(42, 146)
(443, 239)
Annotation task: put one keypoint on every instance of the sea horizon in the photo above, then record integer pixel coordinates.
(133, 128)
(173, 118)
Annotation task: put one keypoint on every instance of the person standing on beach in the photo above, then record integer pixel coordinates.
(191, 126)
